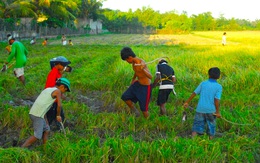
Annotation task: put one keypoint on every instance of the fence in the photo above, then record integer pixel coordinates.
(28, 28)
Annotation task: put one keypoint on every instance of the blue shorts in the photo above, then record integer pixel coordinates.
(204, 118)
(138, 93)
(39, 126)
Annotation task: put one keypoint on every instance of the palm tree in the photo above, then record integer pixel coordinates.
(90, 8)
(18, 9)
(56, 12)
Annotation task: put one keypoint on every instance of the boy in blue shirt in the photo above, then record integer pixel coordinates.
(208, 106)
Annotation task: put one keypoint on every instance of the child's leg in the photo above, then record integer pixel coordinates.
(22, 79)
(162, 109)
(45, 137)
(130, 104)
(211, 122)
(193, 133)
(146, 114)
(29, 141)
(198, 124)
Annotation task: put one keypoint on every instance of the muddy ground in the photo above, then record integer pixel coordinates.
(10, 137)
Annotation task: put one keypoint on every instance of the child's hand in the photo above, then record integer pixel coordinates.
(185, 105)
(58, 118)
(217, 115)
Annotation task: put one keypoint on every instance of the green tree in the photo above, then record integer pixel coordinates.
(18, 9)
(179, 23)
(166, 17)
(233, 25)
(257, 24)
(148, 17)
(204, 22)
(90, 9)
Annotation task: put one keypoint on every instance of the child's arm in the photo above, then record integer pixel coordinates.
(216, 102)
(57, 94)
(140, 66)
(156, 80)
(147, 72)
(173, 79)
(186, 103)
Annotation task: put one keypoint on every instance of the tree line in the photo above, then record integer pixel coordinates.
(64, 13)
(172, 22)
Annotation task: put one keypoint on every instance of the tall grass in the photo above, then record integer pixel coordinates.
(100, 128)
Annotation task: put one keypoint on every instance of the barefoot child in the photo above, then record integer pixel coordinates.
(140, 89)
(208, 106)
(41, 106)
(166, 79)
(19, 52)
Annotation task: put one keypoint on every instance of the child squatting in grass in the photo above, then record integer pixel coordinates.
(140, 89)
(208, 106)
(41, 106)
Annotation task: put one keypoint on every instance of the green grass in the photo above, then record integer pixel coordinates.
(99, 127)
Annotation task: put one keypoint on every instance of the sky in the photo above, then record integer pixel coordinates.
(242, 9)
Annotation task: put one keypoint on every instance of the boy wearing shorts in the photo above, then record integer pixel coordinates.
(18, 51)
(41, 106)
(208, 106)
(165, 78)
(140, 89)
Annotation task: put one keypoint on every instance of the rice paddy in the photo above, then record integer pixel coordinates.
(98, 125)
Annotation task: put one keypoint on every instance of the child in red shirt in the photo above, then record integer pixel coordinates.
(58, 66)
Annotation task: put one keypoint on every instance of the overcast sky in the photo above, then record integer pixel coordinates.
(242, 9)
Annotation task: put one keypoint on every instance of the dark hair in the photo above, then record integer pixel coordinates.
(8, 35)
(127, 52)
(214, 72)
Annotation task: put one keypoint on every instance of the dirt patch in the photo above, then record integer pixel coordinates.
(92, 99)
(8, 137)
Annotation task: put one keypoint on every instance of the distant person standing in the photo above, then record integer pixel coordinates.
(224, 39)
(63, 39)
(19, 52)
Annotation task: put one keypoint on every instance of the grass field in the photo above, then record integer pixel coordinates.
(98, 125)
